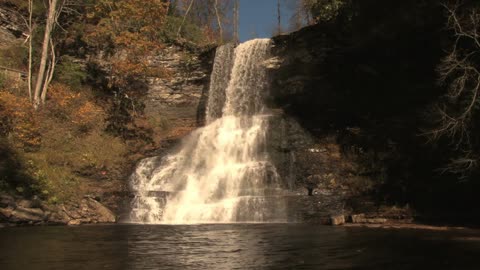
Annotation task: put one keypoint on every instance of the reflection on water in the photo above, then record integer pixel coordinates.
(261, 246)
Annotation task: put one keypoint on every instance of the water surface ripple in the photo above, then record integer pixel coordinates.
(235, 246)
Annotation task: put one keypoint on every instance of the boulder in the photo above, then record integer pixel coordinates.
(337, 220)
(57, 217)
(74, 222)
(5, 213)
(101, 213)
(25, 203)
(87, 211)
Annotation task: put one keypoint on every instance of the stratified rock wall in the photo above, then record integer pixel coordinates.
(180, 98)
(12, 26)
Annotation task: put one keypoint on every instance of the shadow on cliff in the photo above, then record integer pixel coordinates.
(368, 78)
(13, 172)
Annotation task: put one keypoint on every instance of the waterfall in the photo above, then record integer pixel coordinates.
(222, 171)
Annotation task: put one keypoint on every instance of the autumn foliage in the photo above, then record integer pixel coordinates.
(19, 121)
(132, 29)
(74, 107)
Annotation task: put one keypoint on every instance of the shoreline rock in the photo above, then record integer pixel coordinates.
(414, 226)
(337, 220)
(19, 211)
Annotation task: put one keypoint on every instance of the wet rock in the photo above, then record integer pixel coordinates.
(25, 215)
(58, 217)
(5, 213)
(74, 222)
(273, 63)
(25, 203)
(337, 220)
(376, 220)
(102, 213)
(361, 218)
(7, 201)
(87, 211)
(358, 218)
(35, 212)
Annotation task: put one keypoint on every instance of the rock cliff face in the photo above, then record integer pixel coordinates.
(305, 145)
(11, 26)
(176, 105)
(358, 95)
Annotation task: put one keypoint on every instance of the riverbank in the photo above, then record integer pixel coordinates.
(16, 211)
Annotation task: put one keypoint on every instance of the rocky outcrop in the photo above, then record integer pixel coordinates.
(176, 103)
(361, 95)
(18, 211)
(11, 26)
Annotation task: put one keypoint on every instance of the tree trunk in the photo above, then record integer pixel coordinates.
(184, 18)
(52, 10)
(218, 21)
(30, 48)
(51, 71)
(279, 26)
(236, 18)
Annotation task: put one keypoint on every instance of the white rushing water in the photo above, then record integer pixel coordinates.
(221, 173)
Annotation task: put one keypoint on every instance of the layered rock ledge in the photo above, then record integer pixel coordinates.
(18, 211)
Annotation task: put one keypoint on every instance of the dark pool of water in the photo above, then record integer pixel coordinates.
(265, 246)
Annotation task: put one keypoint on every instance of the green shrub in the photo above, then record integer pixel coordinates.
(190, 32)
(14, 176)
(2, 79)
(15, 56)
(70, 72)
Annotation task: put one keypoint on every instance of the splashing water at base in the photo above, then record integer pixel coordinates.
(221, 173)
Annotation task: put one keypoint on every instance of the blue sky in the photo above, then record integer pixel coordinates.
(258, 18)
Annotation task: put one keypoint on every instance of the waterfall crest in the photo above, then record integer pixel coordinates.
(222, 171)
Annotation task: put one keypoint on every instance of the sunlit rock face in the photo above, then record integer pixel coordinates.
(222, 172)
(175, 103)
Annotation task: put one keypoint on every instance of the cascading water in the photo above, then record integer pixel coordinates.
(222, 172)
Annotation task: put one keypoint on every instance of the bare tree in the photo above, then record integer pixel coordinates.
(219, 22)
(236, 18)
(184, 18)
(50, 72)
(279, 19)
(30, 47)
(41, 81)
(459, 71)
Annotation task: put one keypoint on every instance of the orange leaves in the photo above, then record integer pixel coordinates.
(74, 107)
(61, 95)
(131, 31)
(19, 120)
(87, 114)
(129, 22)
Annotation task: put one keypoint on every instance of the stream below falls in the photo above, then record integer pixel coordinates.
(235, 246)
